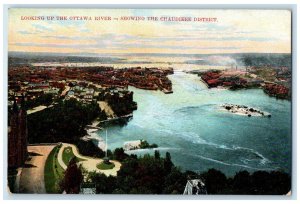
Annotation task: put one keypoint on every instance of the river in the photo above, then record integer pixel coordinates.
(190, 125)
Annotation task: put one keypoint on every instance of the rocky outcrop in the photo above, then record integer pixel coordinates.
(244, 110)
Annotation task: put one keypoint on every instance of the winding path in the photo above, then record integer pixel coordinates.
(89, 163)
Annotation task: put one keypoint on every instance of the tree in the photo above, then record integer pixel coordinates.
(215, 181)
(103, 183)
(175, 182)
(73, 178)
(242, 182)
(156, 154)
(168, 164)
(119, 154)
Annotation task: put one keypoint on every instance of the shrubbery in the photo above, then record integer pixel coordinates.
(155, 175)
(65, 122)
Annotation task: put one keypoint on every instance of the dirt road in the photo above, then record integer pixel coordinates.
(32, 176)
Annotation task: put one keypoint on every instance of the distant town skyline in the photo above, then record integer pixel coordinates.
(236, 31)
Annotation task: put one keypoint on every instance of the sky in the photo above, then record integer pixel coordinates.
(235, 31)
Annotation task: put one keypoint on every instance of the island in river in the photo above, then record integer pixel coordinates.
(244, 110)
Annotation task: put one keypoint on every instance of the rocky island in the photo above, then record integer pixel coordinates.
(244, 110)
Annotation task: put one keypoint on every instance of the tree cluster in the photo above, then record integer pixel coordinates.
(156, 175)
(45, 99)
(141, 175)
(65, 122)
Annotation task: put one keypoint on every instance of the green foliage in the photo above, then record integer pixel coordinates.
(175, 182)
(157, 175)
(105, 166)
(53, 172)
(88, 148)
(65, 122)
(156, 154)
(143, 175)
(68, 155)
(119, 154)
(145, 145)
(215, 181)
(168, 164)
(270, 183)
(103, 184)
(45, 99)
(243, 183)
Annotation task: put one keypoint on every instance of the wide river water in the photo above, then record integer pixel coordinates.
(190, 125)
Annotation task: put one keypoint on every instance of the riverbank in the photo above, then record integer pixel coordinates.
(92, 134)
(92, 130)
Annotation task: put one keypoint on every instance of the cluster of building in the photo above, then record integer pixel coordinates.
(216, 78)
(143, 78)
(275, 81)
(80, 92)
(277, 90)
(87, 84)
(33, 83)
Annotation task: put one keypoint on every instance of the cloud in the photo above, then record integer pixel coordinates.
(25, 32)
(196, 38)
(178, 47)
(76, 46)
(101, 37)
(42, 28)
(84, 30)
(122, 46)
(63, 37)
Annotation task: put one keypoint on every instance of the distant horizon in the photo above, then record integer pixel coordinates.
(124, 54)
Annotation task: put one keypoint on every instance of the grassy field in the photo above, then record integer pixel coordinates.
(104, 166)
(53, 172)
(68, 155)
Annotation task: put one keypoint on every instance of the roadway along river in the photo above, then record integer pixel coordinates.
(189, 124)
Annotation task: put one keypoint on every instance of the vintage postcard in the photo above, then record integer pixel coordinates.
(149, 101)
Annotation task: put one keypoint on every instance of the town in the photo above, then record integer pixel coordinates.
(87, 84)
(275, 81)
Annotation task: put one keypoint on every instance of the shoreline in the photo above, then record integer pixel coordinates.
(92, 135)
